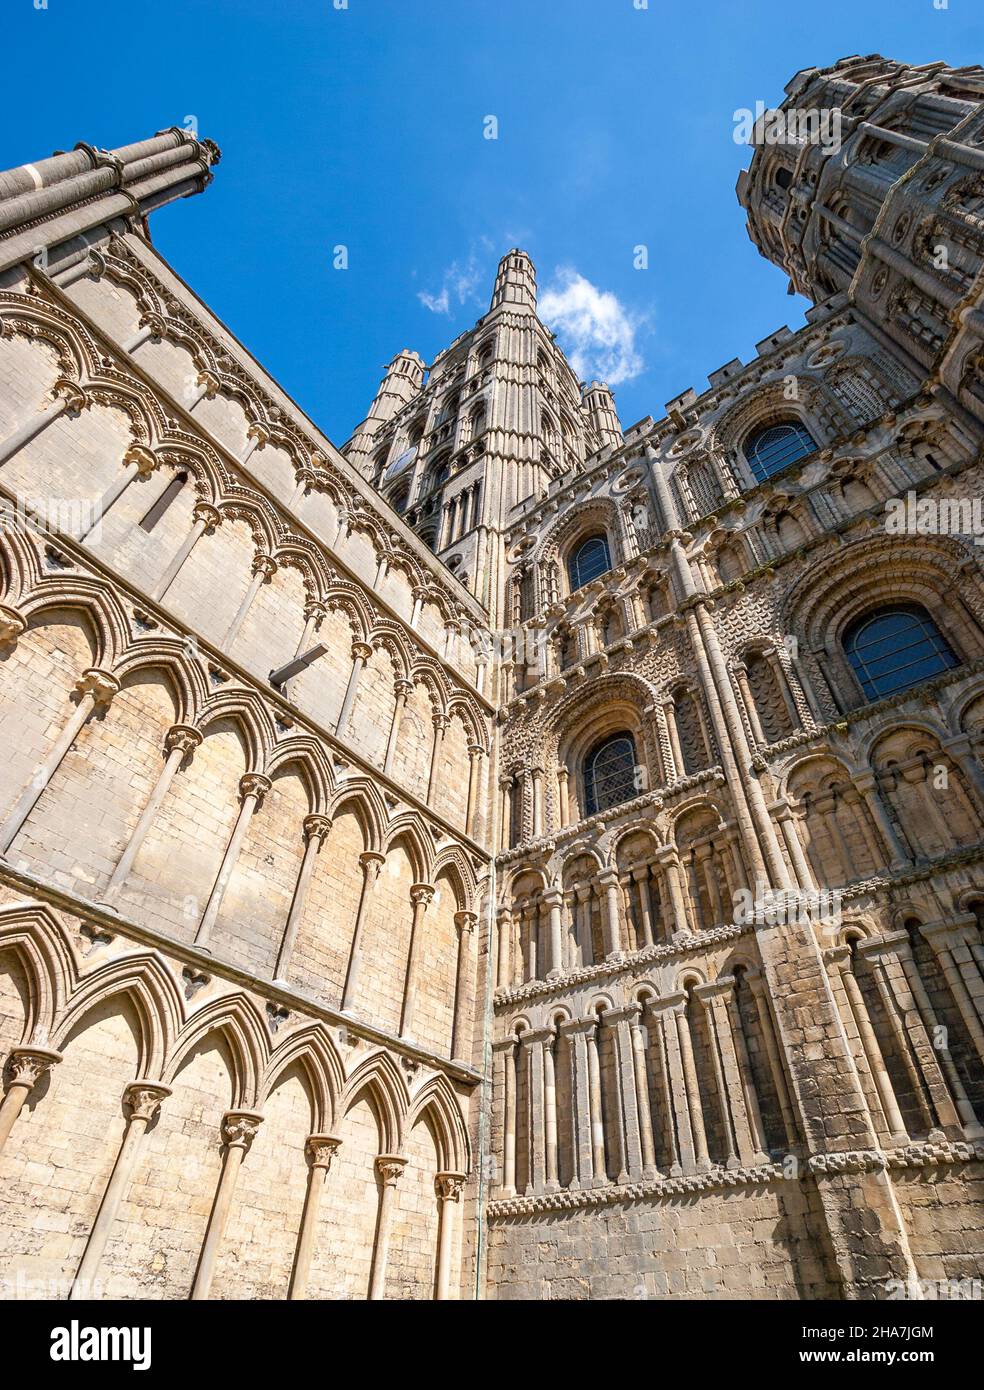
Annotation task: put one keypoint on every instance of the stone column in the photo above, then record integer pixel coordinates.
(25, 1067)
(868, 789)
(238, 1131)
(553, 900)
(679, 767)
(847, 993)
(257, 437)
(627, 1119)
(505, 813)
(950, 945)
(70, 399)
(95, 690)
(536, 776)
(206, 384)
(755, 724)
(315, 829)
(900, 980)
(608, 883)
(320, 1150)
(640, 1065)
(264, 567)
(180, 741)
(371, 864)
(475, 754)
(508, 1049)
(562, 797)
(314, 616)
(461, 1041)
(141, 1100)
(551, 1168)
(304, 479)
(531, 1069)
(205, 519)
(572, 1035)
(640, 877)
(669, 861)
(692, 1086)
(599, 1162)
(449, 1187)
(797, 855)
(421, 895)
(676, 1113)
(584, 893)
(402, 690)
(361, 652)
(504, 927)
(745, 1109)
(753, 978)
(441, 724)
(151, 326)
(253, 786)
(137, 461)
(390, 1168)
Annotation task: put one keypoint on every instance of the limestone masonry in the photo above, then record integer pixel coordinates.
(508, 856)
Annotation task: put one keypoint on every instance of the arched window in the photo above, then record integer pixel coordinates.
(588, 560)
(770, 450)
(894, 648)
(610, 773)
(400, 497)
(439, 471)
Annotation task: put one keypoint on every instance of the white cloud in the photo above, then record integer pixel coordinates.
(595, 330)
(459, 285)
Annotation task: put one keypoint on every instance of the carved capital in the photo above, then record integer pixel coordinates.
(101, 685)
(71, 392)
(157, 326)
(207, 515)
(321, 1149)
(449, 1186)
(260, 433)
(210, 381)
(145, 460)
(421, 893)
(465, 922)
(11, 625)
(182, 736)
(361, 651)
(254, 784)
(143, 1098)
(265, 565)
(26, 1065)
(316, 827)
(371, 864)
(390, 1168)
(239, 1128)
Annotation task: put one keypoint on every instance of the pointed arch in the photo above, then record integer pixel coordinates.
(381, 1077)
(436, 1099)
(238, 1019)
(38, 938)
(145, 980)
(313, 1049)
(363, 797)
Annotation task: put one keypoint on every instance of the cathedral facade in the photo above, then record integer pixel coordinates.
(511, 855)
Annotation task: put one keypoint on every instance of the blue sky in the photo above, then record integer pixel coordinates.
(364, 127)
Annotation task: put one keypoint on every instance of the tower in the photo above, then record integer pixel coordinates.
(500, 418)
(883, 204)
